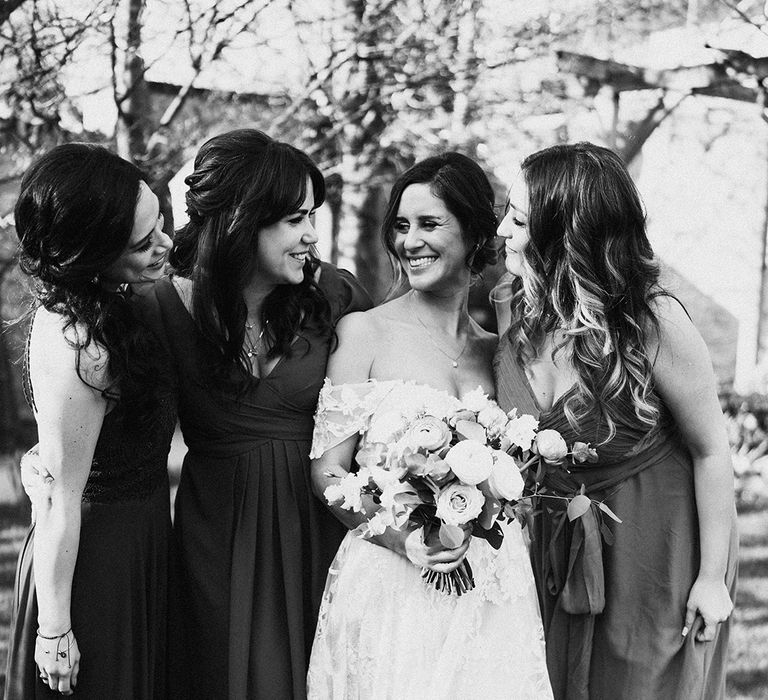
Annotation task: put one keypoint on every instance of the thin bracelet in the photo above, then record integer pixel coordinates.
(58, 636)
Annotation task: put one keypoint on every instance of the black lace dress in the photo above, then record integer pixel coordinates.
(120, 583)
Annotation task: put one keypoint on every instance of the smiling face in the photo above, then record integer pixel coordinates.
(429, 242)
(514, 227)
(143, 259)
(283, 248)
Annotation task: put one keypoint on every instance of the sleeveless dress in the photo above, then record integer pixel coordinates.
(613, 613)
(382, 632)
(120, 583)
(254, 543)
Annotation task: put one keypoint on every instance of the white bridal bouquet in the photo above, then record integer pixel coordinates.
(467, 470)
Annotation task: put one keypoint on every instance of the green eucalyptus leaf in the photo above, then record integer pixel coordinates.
(451, 536)
(470, 430)
(578, 506)
(609, 512)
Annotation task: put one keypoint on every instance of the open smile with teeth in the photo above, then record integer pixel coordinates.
(159, 263)
(423, 261)
(301, 257)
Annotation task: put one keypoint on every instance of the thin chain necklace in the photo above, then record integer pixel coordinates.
(454, 360)
(254, 348)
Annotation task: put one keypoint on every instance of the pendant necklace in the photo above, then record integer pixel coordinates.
(253, 348)
(454, 360)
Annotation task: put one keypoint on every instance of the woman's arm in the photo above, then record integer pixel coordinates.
(685, 380)
(351, 363)
(69, 418)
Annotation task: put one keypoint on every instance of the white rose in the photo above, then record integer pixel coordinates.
(457, 504)
(549, 444)
(505, 481)
(521, 430)
(470, 461)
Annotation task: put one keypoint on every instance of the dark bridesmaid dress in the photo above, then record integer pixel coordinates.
(254, 542)
(120, 583)
(613, 613)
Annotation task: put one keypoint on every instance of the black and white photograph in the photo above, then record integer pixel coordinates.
(384, 349)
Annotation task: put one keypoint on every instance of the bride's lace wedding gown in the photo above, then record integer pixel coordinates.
(382, 632)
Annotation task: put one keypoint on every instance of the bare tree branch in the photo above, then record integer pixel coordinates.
(7, 7)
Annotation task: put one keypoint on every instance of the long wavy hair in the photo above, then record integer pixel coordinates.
(244, 181)
(74, 218)
(467, 194)
(590, 272)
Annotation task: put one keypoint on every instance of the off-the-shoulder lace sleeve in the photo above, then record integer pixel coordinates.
(344, 410)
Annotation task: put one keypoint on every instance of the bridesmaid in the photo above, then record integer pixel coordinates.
(249, 318)
(89, 613)
(604, 355)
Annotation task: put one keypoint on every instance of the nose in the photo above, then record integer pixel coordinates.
(412, 240)
(505, 229)
(310, 236)
(163, 240)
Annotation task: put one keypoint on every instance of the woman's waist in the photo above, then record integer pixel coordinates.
(613, 469)
(128, 485)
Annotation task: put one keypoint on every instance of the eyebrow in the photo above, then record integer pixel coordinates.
(421, 217)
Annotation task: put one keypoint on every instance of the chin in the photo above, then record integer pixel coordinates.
(513, 268)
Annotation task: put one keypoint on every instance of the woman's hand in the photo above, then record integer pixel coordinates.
(58, 660)
(709, 598)
(34, 477)
(429, 553)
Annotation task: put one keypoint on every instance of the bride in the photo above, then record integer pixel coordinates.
(382, 632)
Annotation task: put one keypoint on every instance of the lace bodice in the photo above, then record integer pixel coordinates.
(377, 410)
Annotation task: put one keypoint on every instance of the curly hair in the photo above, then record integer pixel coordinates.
(590, 273)
(74, 217)
(467, 194)
(244, 181)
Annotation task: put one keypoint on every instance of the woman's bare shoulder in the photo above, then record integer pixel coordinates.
(60, 351)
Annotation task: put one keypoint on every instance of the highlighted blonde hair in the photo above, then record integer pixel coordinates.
(591, 274)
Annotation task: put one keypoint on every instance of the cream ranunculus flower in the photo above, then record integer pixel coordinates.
(505, 481)
(427, 433)
(457, 504)
(470, 461)
(549, 444)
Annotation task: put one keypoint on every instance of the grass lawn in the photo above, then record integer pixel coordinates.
(748, 669)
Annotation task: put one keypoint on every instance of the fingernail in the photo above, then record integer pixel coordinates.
(685, 631)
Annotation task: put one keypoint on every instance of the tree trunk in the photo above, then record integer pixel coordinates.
(130, 132)
(466, 72)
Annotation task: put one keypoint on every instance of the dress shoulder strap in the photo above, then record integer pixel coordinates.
(344, 410)
(26, 380)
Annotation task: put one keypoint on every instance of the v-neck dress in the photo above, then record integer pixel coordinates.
(613, 613)
(254, 542)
